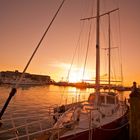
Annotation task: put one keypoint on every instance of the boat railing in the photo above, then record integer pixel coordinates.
(51, 132)
(17, 126)
(25, 126)
(26, 129)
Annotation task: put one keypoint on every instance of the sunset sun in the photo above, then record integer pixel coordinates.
(77, 76)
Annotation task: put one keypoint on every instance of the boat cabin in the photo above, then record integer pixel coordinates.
(105, 98)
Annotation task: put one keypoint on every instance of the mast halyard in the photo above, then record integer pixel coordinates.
(97, 80)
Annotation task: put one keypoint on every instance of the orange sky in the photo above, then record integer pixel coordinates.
(22, 23)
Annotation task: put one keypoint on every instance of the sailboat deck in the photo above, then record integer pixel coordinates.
(89, 118)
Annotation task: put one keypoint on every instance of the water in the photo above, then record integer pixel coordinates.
(31, 104)
(36, 102)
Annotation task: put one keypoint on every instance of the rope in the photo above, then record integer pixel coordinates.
(89, 35)
(38, 45)
(105, 129)
(75, 50)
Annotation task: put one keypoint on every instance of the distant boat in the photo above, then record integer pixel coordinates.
(81, 85)
(62, 83)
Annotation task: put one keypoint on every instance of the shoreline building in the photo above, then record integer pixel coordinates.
(11, 77)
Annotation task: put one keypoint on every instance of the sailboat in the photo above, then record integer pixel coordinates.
(102, 117)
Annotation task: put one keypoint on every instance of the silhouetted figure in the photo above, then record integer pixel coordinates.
(134, 87)
(134, 90)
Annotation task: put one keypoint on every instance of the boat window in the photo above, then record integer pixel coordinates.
(110, 100)
(102, 99)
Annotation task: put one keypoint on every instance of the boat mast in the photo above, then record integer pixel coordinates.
(109, 52)
(109, 48)
(97, 80)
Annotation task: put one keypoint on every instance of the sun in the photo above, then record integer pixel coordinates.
(77, 76)
(73, 77)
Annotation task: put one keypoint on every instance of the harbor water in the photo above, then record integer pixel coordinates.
(31, 104)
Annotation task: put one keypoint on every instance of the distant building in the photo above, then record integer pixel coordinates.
(10, 77)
